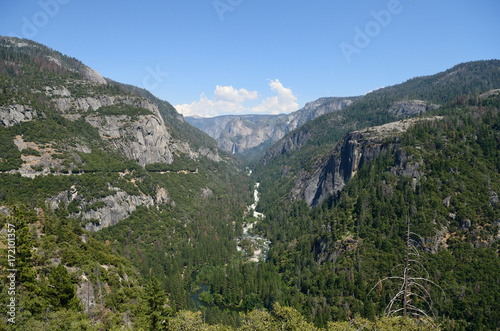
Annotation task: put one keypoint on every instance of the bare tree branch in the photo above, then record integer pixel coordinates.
(410, 287)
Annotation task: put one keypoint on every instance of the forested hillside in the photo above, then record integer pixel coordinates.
(332, 255)
(127, 217)
(326, 261)
(89, 154)
(300, 149)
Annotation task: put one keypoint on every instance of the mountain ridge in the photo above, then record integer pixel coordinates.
(415, 97)
(92, 154)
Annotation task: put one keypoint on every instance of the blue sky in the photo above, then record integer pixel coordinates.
(213, 57)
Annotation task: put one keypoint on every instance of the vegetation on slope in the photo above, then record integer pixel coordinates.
(322, 262)
(330, 256)
(54, 259)
(302, 147)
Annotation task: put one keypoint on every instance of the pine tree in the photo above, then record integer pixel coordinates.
(156, 304)
(61, 291)
(24, 245)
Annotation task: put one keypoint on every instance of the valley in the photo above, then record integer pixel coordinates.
(130, 216)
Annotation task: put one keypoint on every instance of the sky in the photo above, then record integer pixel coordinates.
(216, 57)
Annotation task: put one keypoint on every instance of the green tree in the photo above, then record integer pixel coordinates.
(24, 244)
(156, 304)
(61, 291)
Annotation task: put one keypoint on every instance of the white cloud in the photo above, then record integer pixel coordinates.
(284, 102)
(204, 108)
(229, 93)
(228, 100)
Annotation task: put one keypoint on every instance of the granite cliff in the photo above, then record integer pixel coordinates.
(329, 175)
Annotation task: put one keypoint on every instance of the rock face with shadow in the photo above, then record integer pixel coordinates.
(329, 175)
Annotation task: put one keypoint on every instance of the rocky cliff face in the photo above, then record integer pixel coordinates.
(15, 114)
(290, 143)
(238, 134)
(142, 137)
(410, 108)
(331, 173)
(111, 209)
(316, 109)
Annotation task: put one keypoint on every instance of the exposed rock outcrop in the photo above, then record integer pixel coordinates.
(15, 114)
(206, 152)
(114, 207)
(409, 108)
(93, 76)
(67, 103)
(117, 208)
(330, 174)
(36, 165)
(292, 142)
(145, 139)
(206, 193)
(490, 93)
(316, 109)
(85, 292)
(4, 210)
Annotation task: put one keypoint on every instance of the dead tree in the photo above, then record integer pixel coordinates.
(412, 285)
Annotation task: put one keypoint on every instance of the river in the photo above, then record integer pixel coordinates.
(252, 245)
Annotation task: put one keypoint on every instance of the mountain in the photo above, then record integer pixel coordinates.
(303, 149)
(250, 135)
(111, 162)
(74, 122)
(356, 149)
(439, 174)
(339, 191)
(126, 216)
